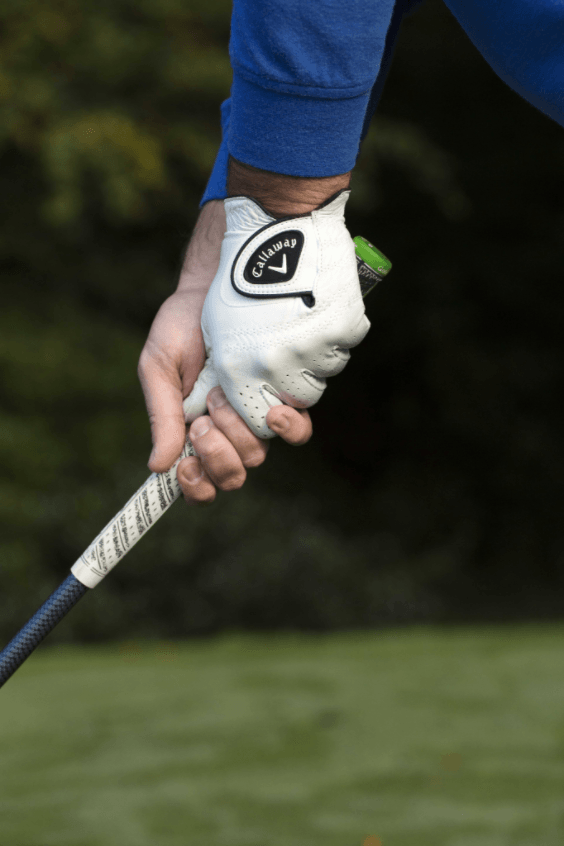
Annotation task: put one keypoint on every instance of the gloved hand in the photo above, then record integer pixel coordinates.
(282, 312)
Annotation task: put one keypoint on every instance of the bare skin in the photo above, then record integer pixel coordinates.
(174, 354)
(281, 195)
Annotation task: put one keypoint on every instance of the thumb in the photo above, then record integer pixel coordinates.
(195, 403)
(162, 389)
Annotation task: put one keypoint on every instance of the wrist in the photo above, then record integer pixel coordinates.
(201, 259)
(280, 195)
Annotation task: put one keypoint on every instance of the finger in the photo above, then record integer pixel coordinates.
(162, 390)
(194, 482)
(354, 330)
(292, 424)
(218, 456)
(358, 333)
(248, 395)
(251, 449)
(195, 404)
(331, 363)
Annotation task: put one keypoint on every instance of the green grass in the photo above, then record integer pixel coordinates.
(417, 738)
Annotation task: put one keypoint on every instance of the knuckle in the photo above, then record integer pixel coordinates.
(143, 363)
(206, 499)
(209, 449)
(208, 441)
(255, 459)
(202, 499)
(301, 439)
(306, 436)
(198, 496)
(152, 361)
(187, 490)
(233, 483)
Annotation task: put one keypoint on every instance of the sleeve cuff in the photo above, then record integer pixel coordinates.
(288, 133)
(295, 134)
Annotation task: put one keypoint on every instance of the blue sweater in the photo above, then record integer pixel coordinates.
(308, 74)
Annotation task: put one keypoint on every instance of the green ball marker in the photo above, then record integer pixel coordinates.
(372, 265)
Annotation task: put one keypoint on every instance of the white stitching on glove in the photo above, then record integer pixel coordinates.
(282, 312)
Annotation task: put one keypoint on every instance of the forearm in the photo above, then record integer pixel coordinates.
(281, 195)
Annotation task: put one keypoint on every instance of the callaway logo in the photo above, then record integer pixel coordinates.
(276, 259)
(284, 265)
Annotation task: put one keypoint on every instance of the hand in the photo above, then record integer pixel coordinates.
(170, 362)
(282, 313)
(226, 447)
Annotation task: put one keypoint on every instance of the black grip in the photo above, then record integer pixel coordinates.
(51, 612)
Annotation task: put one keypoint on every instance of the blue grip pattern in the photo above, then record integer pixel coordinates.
(51, 612)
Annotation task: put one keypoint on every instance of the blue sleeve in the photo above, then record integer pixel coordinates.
(303, 74)
(523, 41)
(307, 76)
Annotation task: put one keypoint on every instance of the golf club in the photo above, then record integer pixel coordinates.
(137, 516)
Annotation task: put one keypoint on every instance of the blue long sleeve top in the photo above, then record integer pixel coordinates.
(307, 76)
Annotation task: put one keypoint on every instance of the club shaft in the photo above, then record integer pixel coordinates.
(43, 621)
(149, 503)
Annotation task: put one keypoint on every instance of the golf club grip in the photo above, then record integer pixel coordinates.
(154, 497)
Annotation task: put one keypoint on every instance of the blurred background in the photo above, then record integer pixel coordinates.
(385, 666)
(445, 505)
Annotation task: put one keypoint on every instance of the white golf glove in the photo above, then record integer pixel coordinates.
(282, 312)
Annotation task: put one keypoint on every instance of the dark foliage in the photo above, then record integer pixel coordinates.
(432, 489)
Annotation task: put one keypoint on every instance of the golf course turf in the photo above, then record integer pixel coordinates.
(415, 737)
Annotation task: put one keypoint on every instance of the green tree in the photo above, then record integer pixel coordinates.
(449, 503)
